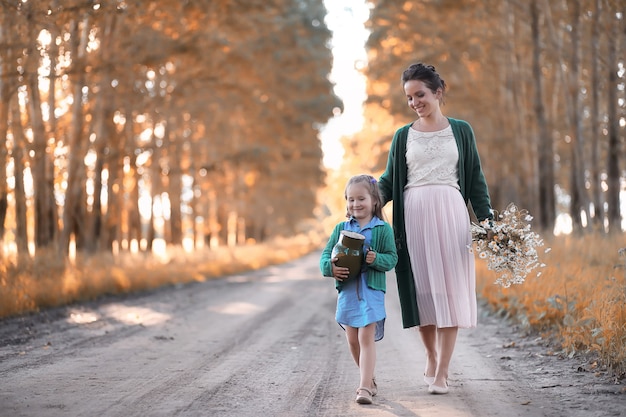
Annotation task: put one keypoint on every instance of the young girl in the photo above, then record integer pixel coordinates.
(361, 300)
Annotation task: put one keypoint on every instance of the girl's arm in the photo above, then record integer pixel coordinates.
(325, 261)
(386, 254)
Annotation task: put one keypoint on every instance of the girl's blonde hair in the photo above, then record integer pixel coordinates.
(372, 186)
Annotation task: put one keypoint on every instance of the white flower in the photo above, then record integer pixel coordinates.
(511, 252)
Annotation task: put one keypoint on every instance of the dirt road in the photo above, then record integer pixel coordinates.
(266, 344)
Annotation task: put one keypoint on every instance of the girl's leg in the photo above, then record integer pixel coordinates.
(447, 339)
(429, 339)
(367, 359)
(352, 335)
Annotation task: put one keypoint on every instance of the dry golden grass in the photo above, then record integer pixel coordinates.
(579, 300)
(47, 282)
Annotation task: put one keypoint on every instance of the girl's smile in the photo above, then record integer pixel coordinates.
(360, 204)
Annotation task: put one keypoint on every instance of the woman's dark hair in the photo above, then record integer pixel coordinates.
(425, 74)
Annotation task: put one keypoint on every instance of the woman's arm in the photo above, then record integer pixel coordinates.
(478, 192)
(385, 182)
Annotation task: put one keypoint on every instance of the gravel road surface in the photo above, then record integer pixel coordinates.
(265, 343)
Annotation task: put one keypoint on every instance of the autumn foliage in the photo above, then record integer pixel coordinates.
(191, 122)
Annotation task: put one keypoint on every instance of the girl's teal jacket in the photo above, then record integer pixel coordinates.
(386, 257)
(473, 187)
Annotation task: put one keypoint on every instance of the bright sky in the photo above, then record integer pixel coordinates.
(345, 18)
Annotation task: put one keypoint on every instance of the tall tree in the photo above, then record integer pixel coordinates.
(613, 117)
(44, 206)
(595, 117)
(8, 87)
(19, 143)
(579, 203)
(547, 212)
(103, 125)
(73, 224)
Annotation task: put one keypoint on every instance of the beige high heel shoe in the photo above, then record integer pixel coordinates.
(429, 380)
(435, 389)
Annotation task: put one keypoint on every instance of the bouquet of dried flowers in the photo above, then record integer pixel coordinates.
(512, 251)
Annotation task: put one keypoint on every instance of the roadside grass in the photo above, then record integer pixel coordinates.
(46, 281)
(578, 301)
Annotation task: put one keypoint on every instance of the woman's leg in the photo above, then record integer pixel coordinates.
(352, 335)
(367, 359)
(446, 339)
(429, 339)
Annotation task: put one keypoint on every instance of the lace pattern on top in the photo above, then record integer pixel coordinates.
(432, 158)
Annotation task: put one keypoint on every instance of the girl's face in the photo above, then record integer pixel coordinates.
(420, 99)
(360, 203)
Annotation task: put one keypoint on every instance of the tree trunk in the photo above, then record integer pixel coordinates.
(72, 221)
(547, 212)
(196, 208)
(596, 135)
(111, 219)
(117, 151)
(4, 191)
(134, 214)
(613, 121)
(103, 127)
(52, 216)
(579, 201)
(173, 160)
(156, 189)
(520, 175)
(44, 205)
(19, 141)
(6, 91)
(44, 202)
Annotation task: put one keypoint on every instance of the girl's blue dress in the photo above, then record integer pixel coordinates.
(357, 304)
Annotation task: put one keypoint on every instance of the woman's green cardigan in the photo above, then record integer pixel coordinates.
(473, 187)
(382, 242)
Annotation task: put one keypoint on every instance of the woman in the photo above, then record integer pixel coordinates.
(433, 172)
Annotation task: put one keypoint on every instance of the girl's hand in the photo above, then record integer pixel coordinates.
(339, 272)
(370, 257)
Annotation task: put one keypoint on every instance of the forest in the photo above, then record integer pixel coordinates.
(198, 121)
(130, 121)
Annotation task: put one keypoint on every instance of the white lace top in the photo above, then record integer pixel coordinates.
(432, 158)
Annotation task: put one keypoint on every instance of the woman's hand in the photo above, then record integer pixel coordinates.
(339, 272)
(370, 257)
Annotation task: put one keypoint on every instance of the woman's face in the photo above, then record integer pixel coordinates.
(420, 98)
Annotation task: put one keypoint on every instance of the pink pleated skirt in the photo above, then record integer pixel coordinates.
(439, 242)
